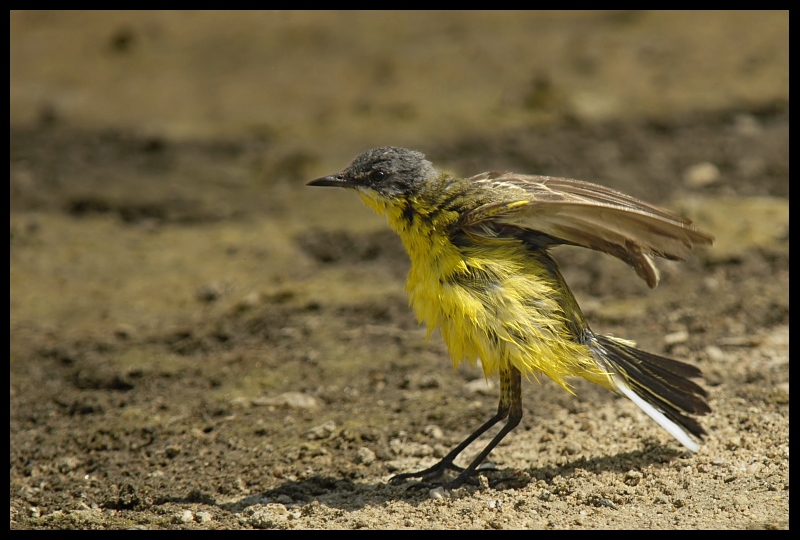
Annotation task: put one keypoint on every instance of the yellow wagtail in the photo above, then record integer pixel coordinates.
(482, 274)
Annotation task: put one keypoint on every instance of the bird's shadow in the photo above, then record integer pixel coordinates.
(346, 494)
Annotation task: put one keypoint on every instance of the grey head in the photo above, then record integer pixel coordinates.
(391, 171)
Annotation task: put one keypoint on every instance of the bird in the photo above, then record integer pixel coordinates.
(481, 273)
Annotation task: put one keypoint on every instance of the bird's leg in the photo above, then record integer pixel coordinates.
(510, 407)
(437, 470)
(511, 402)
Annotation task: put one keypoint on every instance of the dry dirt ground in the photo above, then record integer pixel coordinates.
(198, 341)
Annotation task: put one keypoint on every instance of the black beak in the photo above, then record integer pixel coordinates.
(336, 180)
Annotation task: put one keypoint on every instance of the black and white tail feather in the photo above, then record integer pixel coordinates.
(660, 386)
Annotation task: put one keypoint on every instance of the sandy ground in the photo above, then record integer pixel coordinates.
(198, 341)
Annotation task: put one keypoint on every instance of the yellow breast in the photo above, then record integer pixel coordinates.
(493, 300)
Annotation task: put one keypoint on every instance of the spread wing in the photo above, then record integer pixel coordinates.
(588, 215)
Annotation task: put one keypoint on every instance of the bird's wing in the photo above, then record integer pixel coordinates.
(588, 215)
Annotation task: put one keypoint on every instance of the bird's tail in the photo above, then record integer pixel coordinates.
(659, 386)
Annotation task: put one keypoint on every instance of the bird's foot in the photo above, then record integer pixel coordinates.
(430, 475)
(427, 475)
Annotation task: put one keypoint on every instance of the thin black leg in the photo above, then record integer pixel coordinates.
(511, 397)
(510, 407)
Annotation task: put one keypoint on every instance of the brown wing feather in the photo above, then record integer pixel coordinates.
(592, 216)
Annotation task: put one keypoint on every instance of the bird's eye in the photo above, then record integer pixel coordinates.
(377, 176)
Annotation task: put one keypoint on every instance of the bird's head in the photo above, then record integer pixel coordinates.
(385, 174)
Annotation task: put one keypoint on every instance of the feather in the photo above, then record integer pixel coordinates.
(659, 386)
(588, 215)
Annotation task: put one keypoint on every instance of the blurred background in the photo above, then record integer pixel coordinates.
(186, 316)
(330, 84)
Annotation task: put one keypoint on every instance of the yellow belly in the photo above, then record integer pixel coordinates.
(502, 306)
(495, 300)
